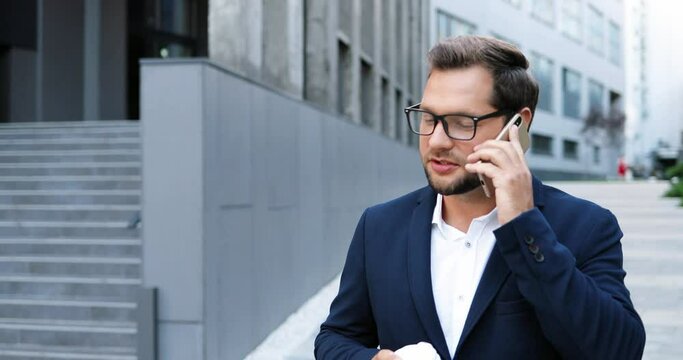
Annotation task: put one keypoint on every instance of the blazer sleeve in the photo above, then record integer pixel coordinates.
(584, 311)
(349, 331)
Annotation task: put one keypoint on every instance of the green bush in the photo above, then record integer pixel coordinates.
(676, 170)
(676, 190)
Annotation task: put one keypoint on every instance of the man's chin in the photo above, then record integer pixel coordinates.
(456, 187)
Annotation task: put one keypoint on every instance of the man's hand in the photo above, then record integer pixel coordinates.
(386, 355)
(503, 162)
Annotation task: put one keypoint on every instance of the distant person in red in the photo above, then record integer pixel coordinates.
(621, 168)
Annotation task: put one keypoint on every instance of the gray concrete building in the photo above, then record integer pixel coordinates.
(361, 59)
(231, 189)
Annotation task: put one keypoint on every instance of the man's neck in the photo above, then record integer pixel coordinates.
(459, 210)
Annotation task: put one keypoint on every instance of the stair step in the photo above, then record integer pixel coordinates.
(70, 182)
(70, 125)
(67, 215)
(67, 229)
(134, 140)
(71, 168)
(119, 270)
(112, 249)
(27, 351)
(71, 197)
(41, 156)
(26, 308)
(62, 144)
(72, 241)
(84, 288)
(67, 332)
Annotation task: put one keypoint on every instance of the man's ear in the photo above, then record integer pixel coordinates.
(527, 116)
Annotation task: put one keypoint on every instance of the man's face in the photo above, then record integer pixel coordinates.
(464, 91)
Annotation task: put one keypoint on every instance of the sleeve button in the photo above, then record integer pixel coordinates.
(529, 239)
(539, 257)
(533, 248)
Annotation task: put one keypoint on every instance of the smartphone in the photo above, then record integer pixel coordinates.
(503, 135)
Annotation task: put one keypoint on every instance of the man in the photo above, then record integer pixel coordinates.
(529, 273)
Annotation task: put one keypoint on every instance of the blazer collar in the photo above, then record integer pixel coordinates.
(420, 277)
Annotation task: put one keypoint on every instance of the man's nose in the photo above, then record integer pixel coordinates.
(439, 139)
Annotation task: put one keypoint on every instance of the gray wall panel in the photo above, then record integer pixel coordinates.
(172, 189)
(277, 189)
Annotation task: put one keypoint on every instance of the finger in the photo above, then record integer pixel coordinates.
(487, 169)
(514, 140)
(495, 155)
(503, 145)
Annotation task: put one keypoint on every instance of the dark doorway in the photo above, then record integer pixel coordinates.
(163, 29)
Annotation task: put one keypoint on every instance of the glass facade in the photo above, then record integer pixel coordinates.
(543, 69)
(571, 93)
(449, 25)
(596, 33)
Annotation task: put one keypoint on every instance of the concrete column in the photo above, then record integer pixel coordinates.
(295, 46)
(236, 36)
(91, 60)
(318, 53)
(355, 64)
(113, 60)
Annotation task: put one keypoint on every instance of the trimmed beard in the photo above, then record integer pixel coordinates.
(457, 187)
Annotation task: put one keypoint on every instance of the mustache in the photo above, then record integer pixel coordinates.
(446, 156)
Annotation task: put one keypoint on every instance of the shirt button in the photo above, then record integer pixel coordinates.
(461, 298)
(468, 244)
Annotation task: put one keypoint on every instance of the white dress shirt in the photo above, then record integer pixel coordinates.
(458, 261)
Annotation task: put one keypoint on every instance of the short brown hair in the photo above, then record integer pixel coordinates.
(513, 86)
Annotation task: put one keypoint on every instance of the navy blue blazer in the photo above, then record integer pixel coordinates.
(553, 287)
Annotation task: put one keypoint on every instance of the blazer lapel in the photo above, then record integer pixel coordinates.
(419, 270)
(494, 276)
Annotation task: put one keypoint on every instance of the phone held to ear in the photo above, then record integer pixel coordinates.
(503, 135)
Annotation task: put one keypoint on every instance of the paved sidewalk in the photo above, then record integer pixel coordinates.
(653, 259)
(653, 256)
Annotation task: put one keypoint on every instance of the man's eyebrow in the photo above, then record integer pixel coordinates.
(462, 112)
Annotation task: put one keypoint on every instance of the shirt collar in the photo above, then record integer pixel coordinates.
(489, 219)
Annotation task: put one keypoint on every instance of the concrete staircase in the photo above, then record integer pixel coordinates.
(69, 258)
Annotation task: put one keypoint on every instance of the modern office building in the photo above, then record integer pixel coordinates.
(654, 129)
(576, 52)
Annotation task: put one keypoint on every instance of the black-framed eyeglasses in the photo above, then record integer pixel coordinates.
(456, 126)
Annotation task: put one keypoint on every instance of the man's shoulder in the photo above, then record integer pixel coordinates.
(568, 204)
(401, 204)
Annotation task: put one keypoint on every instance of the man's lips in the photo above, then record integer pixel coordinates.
(442, 166)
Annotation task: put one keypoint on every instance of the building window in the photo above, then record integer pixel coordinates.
(541, 144)
(596, 154)
(387, 125)
(570, 149)
(595, 30)
(571, 93)
(449, 25)
(515, 3)
(614, 50)
(401, 125)
(366, 93)
(543, 10)
(571, 18)
(543, 69)
(344, 79)
(506, 39)
(595, 96)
